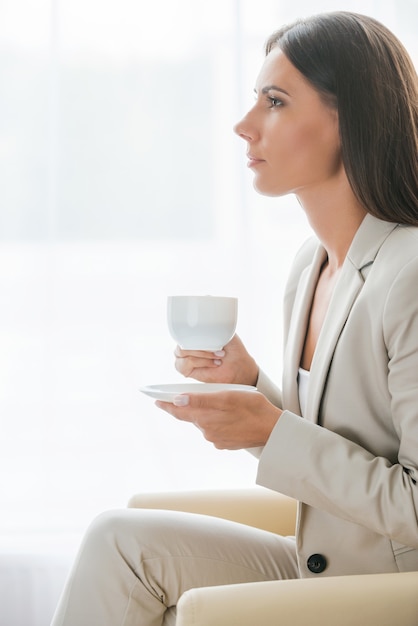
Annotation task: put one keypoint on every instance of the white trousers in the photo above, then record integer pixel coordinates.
(134, 565)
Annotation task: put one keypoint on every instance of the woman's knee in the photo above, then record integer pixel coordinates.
(127, 530)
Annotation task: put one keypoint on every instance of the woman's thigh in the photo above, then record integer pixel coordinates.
(142, 561)
(183, 549)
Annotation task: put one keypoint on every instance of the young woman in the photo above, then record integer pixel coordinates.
(335, 122)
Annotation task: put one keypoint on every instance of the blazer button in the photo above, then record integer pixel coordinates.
(316, 563)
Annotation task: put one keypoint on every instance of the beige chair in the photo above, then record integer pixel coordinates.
(367, 600)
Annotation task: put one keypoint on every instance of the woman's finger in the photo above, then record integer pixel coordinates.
(187, 365)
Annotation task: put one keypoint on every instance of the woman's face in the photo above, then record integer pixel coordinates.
(292, 136)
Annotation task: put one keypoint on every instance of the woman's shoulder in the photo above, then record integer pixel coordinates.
(401, 247)
(408, 235)
(393, 276)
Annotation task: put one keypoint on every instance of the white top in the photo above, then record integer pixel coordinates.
(303, 384)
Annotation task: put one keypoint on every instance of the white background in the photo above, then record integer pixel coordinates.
(121, 183)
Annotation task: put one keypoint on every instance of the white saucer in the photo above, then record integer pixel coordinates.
(169, 392)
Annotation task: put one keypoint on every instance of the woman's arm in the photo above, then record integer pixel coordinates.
(331, 472)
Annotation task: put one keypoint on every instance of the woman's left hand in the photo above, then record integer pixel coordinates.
(231, 420)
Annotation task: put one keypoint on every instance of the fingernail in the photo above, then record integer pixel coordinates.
(182, 400)
(217, 361)
(219, 353)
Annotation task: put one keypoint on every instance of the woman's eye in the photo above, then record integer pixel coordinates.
(275, 102)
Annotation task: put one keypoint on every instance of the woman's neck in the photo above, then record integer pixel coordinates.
(335, 219)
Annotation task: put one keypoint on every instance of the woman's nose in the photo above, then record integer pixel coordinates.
(242, 129)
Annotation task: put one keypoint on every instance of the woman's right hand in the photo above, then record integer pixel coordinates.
(231, 365)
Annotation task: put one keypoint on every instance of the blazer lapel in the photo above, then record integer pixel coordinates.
(363, 250)
(297, 330)
(345, 293)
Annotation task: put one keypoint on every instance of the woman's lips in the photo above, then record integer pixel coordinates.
(253, 161)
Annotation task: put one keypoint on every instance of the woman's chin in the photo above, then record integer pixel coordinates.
(266, 190)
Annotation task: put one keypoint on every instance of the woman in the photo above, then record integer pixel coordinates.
(335, 122)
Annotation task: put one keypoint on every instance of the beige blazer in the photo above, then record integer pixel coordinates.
(352, 460)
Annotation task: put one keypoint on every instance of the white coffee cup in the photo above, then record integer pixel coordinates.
(202, 322)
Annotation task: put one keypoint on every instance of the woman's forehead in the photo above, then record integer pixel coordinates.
(279, 72)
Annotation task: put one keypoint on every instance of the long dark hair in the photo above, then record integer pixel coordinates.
(362, 69)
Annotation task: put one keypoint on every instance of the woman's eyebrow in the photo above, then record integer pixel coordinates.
(273, 88)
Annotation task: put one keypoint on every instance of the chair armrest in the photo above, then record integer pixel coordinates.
(256, 506)
(384, 599)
